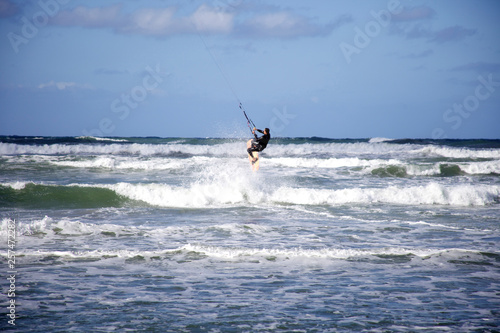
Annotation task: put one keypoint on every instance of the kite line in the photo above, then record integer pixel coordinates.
(250, 123)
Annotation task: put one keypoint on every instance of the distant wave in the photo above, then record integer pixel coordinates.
(378, 140)
(137, 149)
(237, 148)
(101, 139)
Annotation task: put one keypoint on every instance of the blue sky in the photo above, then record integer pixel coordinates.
(338, 69)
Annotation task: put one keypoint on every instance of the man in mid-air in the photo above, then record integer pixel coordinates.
(258, 144)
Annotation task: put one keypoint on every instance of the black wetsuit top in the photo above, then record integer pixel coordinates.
(263, 140)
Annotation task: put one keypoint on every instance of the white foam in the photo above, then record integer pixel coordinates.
(437, 225)
(430, 194)
(48, 226)
(232, 228)
(481, 168)
(197, 195)
(241, 254)
(323, 253)
(227, 190)
(96, 138)
(231, 253)
(65, 227)
(378, 140)
(222, 189)
(16, 185)
(223, 149)
(92, 254)
(376, 147)
(25, 228)
(471, 168)
(73, 228)
(35, 227)
(331, 162)
(451, 152)
(356, 149)
(119, 162)
(4, 227)
(423, 169)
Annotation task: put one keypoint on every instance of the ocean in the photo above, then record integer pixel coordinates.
(180, 235)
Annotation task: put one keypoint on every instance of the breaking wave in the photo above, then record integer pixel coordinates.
(234, 192)
(226, 147)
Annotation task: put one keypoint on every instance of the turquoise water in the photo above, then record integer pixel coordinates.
(179, 235)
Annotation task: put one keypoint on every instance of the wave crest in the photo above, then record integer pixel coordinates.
(238, 192)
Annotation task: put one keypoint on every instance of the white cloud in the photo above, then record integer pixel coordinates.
(205, 19)
(162, 22)
(208, 19)
(63, 85)
(148, 21)
(90, 17)
(151, 22)
(287, 25)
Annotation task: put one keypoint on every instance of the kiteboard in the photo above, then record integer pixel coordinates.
(255, 165)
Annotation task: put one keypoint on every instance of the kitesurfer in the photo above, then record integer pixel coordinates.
(258, 144)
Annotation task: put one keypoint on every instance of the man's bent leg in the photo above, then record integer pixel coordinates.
(250, 148)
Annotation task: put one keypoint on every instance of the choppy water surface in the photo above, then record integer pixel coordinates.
(179, 235)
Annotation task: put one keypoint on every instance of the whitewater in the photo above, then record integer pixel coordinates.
(180, 235)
